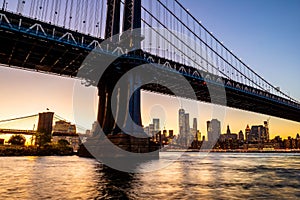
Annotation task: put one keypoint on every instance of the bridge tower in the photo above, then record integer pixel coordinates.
(131, 21)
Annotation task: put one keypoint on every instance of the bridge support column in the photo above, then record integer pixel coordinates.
(119, 114)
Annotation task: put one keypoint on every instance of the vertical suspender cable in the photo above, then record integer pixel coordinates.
(85, 15)
(150, 30)
(77, 15)
(91, 17)
(169, 52)
(35, 10)
(157, 38)
(172, 19)
(31, 8)
(58, 12)
(71, 14)
(40, 7)
(43, 10)
(55, 12)
(182, 33)
(46, 10)
(81, 15)
(102, 19)
(217, 59)
(163, 40)
(95, 25)
(206, 52)
(211, 55)
(51, 11)
(66, 13)
(195, 43)
(18, 6)
(177, 32)
(144, 42)
(187, 37)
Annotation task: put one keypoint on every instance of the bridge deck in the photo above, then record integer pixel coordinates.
(34, 45)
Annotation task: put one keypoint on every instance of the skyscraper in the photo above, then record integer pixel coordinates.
(187, 124)
(156, 124)
(267, 135)
(185, 138)
(258, 134)
(241, 136)
(181, 121)
(195, 129)
(247, 132)
(213, 130)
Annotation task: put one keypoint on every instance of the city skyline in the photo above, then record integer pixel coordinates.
(213, 128)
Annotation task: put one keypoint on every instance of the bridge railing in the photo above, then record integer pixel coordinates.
(84, 16)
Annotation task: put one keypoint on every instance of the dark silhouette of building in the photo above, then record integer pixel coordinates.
(241, 136)
(171, 133)
(258, 134)
(45, 127)
(228, 135)
(247, 132)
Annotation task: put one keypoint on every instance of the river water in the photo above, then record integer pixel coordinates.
(215, 176)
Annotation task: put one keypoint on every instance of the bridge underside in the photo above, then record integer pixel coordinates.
(31, 49)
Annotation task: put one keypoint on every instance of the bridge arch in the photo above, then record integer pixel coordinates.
(182, 69)
(196, 73)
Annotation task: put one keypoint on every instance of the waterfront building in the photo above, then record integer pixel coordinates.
(171, 133)
(213, 130)
(258, 134)
(199, 135)
(95, 125)
(63, 130)
(151, 130)
(181, 121)
(266, 137)
(147, 130)
(195, 130)
(228, 135)
(156, 124)
(73, 139)
(241, 136)
(62, 126)
(247, 132)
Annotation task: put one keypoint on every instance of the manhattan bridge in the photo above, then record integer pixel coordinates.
(56, 37)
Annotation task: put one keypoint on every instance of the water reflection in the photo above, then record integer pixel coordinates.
(216, 176)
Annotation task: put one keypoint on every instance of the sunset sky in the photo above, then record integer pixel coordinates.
(265, 34)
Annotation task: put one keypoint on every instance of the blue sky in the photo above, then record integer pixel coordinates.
(264, 33)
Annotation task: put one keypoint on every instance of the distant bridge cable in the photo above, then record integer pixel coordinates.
(18, 118)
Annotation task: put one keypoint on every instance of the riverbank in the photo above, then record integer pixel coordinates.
(48, 150)
(233, 151)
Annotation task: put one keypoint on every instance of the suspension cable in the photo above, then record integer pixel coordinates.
(18, 118)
